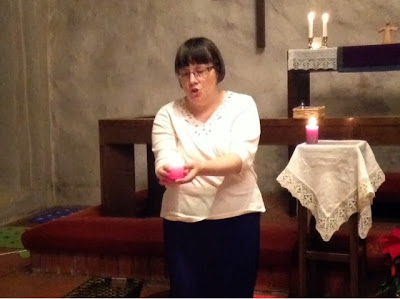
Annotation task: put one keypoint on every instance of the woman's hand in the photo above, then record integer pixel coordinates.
(163, 176)
(192, 169)
(225, 165)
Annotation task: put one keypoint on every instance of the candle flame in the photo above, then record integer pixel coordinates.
(176, 161)
(311, 16)
(316, 44)
(312, 121)
(325, 17)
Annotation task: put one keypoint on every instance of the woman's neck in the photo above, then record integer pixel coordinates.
(204, 112)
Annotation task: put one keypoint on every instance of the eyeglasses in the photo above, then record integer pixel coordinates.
(198, 73)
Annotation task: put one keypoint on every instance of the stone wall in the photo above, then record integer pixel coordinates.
(26, 154)
(66, 64)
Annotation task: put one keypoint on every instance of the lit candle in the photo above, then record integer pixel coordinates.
(176, 168)
(311, 17)
(325, 18)
(312, 131)
(317, 43)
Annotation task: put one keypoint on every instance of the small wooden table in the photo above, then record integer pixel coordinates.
(335, 181)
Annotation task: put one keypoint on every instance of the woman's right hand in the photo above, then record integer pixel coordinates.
(162, 175)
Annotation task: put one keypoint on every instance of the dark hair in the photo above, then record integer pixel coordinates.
(200, 50)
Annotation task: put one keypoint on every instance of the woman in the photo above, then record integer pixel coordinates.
(212, 214)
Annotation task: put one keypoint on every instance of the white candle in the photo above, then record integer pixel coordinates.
(311, 17)
(325, 18)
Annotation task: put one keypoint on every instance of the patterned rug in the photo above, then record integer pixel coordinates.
(54, 214)
(103, 288)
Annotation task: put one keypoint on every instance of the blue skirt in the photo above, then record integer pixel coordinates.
(213, 258)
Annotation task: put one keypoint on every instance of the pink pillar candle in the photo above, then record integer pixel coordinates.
(176, 173)
(176, 169)
(312, 131)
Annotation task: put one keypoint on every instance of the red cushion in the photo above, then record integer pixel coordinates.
(87, 232)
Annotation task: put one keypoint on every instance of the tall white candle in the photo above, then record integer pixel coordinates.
(325, 18)
(311, 17)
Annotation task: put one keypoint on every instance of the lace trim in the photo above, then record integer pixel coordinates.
(199, 128)
(306, 59)
(314, 64)
(359, 200)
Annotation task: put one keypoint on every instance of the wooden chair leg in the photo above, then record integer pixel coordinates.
(363, 268)
(302, 227)
(354, 256)
(292, 206)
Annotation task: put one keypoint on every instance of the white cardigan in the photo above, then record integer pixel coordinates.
(233, 128)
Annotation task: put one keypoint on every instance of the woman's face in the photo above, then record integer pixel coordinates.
(198, 81)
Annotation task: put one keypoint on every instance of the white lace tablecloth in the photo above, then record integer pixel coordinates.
(334, 179)
(308, 59)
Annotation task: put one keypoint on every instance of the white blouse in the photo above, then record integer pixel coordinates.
(233, 128)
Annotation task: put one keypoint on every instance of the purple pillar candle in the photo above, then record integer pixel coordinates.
(312, 131)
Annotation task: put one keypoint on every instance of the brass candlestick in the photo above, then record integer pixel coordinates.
(324, 42)
(310, 41)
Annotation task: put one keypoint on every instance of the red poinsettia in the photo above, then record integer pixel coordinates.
(391, 246)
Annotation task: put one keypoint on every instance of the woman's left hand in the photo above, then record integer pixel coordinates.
(192, 169)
